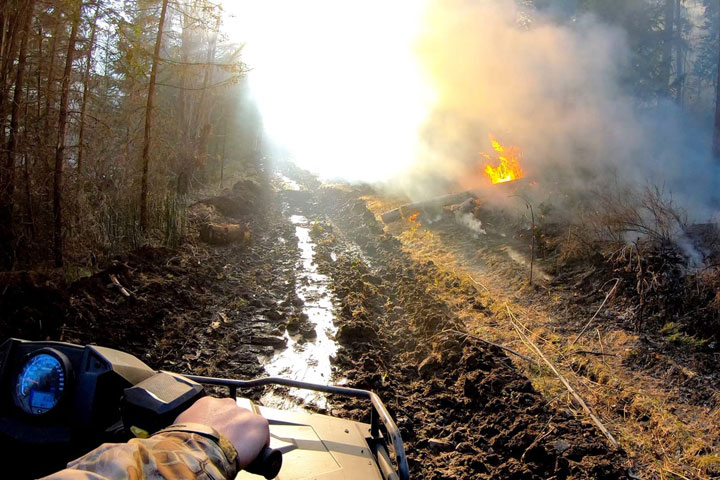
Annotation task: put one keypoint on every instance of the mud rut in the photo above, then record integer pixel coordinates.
(464, 410)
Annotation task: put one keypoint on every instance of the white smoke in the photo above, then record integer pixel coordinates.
(469, 220)
(556, 90)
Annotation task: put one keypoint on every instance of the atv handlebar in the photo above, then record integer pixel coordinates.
(379, 416)
(268, 463)
(110, 395)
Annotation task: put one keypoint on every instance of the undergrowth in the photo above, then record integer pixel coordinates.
(669, 281)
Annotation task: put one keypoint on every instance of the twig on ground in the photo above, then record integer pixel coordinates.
(602, 349)
(503, 347)
(478, 283)
(617, 281)
(116, 282)
(676, 474)
(540, 436)
(590, 352)
(572, 391)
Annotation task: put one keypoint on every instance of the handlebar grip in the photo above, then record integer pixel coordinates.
(267, 463)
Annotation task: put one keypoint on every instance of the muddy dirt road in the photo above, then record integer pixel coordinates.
(322, 293)
(465, 410)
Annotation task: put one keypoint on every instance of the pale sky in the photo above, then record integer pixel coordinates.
(338, 83)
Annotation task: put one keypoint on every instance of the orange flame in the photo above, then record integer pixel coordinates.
(509, 167)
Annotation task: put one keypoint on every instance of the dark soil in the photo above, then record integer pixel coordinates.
(672, 304)
(198, 309)
(463, 409)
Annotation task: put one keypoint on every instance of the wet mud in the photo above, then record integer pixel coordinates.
(464, 410)
(320, 282)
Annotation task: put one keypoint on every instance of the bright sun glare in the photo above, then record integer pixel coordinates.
(338, 83)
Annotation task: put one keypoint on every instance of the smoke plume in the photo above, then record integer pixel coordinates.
(555, 89)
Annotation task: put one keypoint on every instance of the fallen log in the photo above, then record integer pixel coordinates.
(404, 211)
(223, 233)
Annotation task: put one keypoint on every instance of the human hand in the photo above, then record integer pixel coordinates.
(249, 433)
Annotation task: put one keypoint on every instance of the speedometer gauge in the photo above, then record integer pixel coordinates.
(42, 381)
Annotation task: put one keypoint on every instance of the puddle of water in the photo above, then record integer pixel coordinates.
(306, 360)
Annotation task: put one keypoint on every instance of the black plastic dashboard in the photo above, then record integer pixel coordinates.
(57, 399)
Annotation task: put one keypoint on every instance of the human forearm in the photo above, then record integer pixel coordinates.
(170, 456)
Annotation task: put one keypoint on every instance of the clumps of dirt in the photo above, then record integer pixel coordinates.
(109, 307)
(166, 287)
(245, 198)
(301, 324)
(196, 309)
(464, 410)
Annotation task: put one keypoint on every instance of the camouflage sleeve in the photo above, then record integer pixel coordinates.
(169, 456)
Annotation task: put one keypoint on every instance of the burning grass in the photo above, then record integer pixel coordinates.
(508, 168)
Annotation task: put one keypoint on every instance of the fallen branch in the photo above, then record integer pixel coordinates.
(590, 352)
(617, 281)
(502, 347)
(480, 284)
(572, 391)
(116, 282)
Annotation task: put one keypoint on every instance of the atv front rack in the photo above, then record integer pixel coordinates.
(380, 420)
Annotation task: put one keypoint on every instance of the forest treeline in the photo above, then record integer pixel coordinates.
(112, 113)
(674, 46)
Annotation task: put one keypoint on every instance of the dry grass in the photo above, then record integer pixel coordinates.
(650, 213)
(668, 269)
(665, 436)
